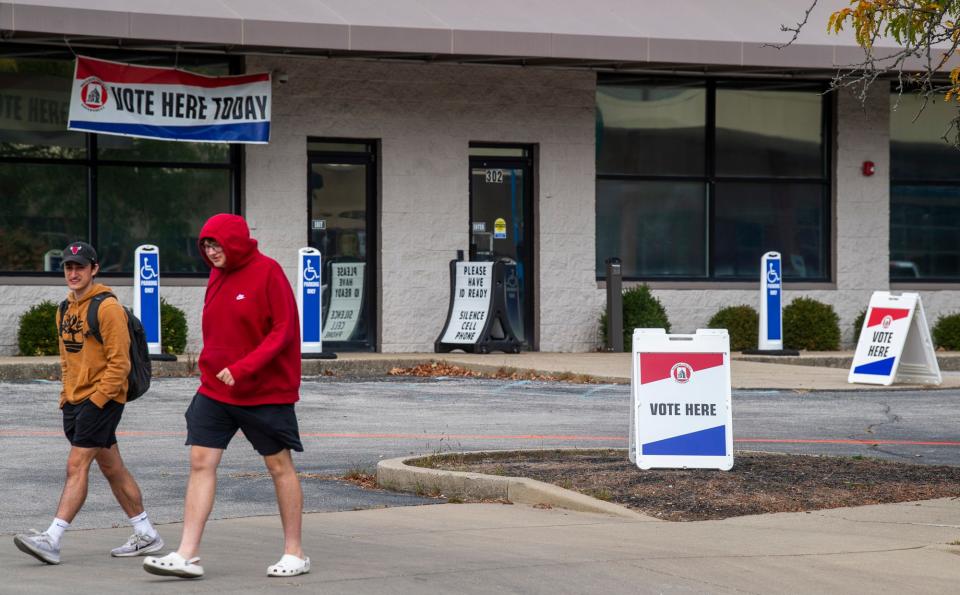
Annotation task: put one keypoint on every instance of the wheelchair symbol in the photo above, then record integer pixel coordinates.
(146, 271)
(310, 273)
(773, 277)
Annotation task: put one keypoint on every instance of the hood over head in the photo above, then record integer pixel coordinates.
(231, 232)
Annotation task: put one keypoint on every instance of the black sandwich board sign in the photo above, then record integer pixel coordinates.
(477, 320)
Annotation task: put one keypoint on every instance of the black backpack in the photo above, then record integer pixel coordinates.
(141, 371)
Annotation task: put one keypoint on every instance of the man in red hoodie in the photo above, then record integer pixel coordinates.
(249, 380)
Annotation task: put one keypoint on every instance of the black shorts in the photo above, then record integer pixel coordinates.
(88, 426)
(269, 428)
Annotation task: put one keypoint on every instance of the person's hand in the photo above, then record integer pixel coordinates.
(226, 377)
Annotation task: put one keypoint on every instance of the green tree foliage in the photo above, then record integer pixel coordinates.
(37, 333)
(811, 325)
(741, 322)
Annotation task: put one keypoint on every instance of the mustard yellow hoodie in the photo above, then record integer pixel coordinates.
(91, 370)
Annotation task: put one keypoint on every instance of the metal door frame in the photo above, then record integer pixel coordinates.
(528, 248)
(371, 276)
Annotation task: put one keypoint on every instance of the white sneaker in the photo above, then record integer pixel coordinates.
(289, 565)
(173, 564)
(38, 545)
(138, 545)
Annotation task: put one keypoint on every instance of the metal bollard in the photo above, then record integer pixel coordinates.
(614, 305)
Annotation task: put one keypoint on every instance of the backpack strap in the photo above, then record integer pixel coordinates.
(93, 312)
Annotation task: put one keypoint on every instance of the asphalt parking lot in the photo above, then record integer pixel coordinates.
(352, 424)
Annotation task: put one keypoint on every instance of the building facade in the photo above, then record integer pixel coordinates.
(688, 161)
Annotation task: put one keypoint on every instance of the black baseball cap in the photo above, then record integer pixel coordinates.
(81, 253)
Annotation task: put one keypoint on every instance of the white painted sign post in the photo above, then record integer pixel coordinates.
(895, 343)
(471, 303)
(681, 411)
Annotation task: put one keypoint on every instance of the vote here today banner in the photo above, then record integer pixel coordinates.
(169, 104)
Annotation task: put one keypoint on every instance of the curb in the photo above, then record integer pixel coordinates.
(948, 362)
(186, 367)
(395, 474)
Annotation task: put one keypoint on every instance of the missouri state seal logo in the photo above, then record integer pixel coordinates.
(93, 94)
(681, 372)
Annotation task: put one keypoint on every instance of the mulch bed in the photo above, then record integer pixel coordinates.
(758, 483)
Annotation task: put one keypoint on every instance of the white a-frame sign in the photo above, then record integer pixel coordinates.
(895, 344)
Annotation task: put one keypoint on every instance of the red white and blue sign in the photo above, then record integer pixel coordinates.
(895, 343)
(681, 400)
(169, 104)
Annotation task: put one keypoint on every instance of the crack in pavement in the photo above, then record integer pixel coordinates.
(892, 418)
(870, 430)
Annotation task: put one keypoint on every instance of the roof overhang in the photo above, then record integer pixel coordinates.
(686, 36)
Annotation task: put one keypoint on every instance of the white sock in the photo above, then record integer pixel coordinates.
(56, 530)
(141, 524)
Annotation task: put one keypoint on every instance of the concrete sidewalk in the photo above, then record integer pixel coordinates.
(810, 371)
(495, 548)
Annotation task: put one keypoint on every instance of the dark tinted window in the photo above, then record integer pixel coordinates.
(770, 133)
(755, 218)
(650, 129)
(42, 209)
(671, 204)
(34, 102)
(167, 210)
(655, 228)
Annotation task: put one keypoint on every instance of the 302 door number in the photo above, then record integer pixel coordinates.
(493, 176)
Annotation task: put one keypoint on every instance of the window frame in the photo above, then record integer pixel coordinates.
(710, 178)
(92, 161)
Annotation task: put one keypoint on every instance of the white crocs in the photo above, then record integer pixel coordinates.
(289, 565)
(173, 564)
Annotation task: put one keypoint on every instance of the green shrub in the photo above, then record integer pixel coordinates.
(858, 326)
(741, 322)
(173, 328)
(37, 334)
(811, 325)
(640, 310)
(946, 332)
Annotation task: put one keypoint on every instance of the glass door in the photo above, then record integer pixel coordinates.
(342, 221)
(501, 225)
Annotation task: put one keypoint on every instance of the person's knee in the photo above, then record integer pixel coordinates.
(204, 462)
(78, 463)
(112, 470)
(280, 464)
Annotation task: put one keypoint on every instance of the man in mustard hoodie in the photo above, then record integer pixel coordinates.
(94, 375)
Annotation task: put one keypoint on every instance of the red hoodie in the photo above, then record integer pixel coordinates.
(250, 322)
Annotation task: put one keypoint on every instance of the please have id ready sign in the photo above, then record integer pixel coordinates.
(681, 415)
(895, 343)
